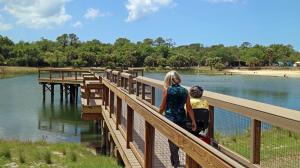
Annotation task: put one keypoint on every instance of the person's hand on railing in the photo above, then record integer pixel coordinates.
(194, 126)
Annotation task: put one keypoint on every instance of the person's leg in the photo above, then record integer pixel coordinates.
(174, 154)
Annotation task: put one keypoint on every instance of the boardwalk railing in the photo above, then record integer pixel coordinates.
(128, 107)
(142, 100)
(257, 112)
(61, 74)
(199, 151)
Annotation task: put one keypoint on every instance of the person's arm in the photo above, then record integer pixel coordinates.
(163, 104)
(191, 113)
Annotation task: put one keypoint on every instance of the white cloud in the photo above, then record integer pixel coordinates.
(92, 13)
(37, 13)
(5, 26)
(77, 24)
(139, 8)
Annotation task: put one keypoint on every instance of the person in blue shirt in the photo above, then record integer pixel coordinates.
(174, 99)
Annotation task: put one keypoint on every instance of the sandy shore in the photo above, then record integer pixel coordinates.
(276, 73)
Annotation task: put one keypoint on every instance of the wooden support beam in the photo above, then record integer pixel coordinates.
(66, 93)
(149, 145)
(106, 97)
(190, 163)
(255, 141)
(129, 125)
(52, 92)
(44, 91)
(143, 91)
(111, 103)
(119, 110)
(138, 84)
(61, 92)
(153, 95)
(211, 110)
(130, 85)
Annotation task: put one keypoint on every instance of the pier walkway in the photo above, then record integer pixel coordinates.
(124, 103)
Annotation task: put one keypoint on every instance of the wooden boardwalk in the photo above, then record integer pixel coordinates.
(134, 132)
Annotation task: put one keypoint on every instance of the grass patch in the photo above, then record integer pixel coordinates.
(278, 147)
(42, 154)
(10, 71)
(73, 156)
(5, 153)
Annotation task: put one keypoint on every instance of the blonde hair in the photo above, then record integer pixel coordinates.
(172, 77)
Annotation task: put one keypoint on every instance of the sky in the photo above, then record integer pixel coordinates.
(228, 22)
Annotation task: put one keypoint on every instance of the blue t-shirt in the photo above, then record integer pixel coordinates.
(176, 99)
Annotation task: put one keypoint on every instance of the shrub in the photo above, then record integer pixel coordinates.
(47, 157)
(5, 153)
(22, 157)
(219, 66)
(73, 156)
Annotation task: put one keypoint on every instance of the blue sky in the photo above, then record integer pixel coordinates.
(209, 22)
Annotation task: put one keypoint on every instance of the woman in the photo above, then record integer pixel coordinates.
(174, 98)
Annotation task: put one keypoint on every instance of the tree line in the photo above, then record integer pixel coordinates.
(68, 50)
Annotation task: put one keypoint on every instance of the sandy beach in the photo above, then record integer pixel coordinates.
(275, 73)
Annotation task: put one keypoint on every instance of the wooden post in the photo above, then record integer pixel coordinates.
(75, 75)
(104, 141)
(211, 121)
(129, 126)
(50, 74)
(76, 94)
(119, 110)
(118, 80)
(130, 85)
(143, 91)
(153, 95)
(62, 75)
(149, 145)
(44, 91)
(66, 93)
(190, 163)
(255, 141)
(111, 103)
(61, 92)
(106, 96)
(52, 92)
(103, 95)
(39, 74)
(138, 84)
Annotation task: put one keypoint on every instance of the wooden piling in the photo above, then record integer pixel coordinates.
(52, 92)
(61, 92)
(66, 93)
(44, 91)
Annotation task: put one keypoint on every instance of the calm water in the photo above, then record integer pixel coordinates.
(23, 115)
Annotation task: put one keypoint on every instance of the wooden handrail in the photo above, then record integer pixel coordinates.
(201, 152)
(279, 116)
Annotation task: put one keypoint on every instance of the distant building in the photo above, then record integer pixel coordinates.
(297, 64)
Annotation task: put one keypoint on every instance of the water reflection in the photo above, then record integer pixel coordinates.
(64, 121)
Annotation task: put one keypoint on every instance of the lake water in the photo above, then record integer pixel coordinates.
(23, 115)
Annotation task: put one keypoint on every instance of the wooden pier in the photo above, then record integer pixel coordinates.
(134, 132)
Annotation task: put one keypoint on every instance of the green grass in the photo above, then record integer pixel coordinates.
(279, 148)
(42, 154)
(10, 71)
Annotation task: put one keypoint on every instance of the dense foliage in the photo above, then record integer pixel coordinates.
(68, 50)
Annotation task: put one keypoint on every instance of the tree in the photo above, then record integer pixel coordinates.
(74, 40)
(269, 53)
(63, 40)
